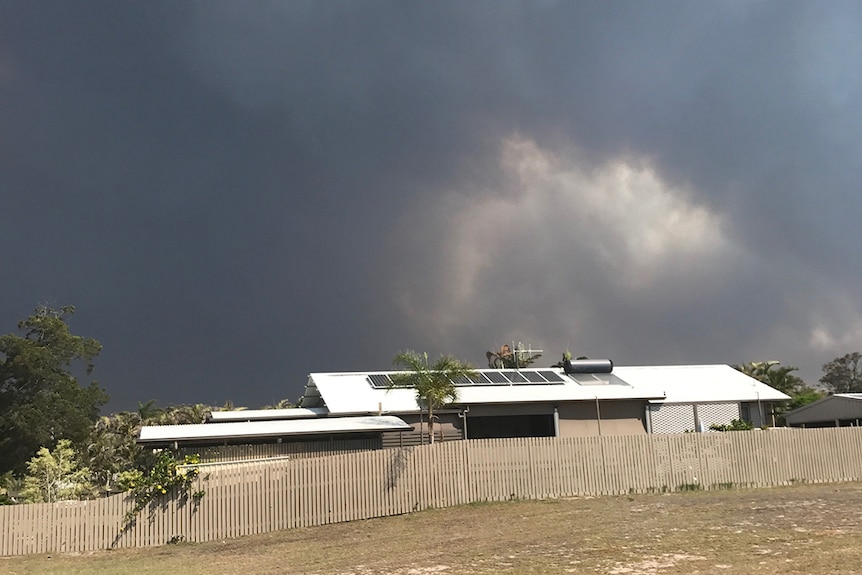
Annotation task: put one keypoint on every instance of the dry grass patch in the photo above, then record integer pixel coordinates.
(812, 529)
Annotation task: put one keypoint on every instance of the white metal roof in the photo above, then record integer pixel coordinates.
(346, 393)
(265, 414)
(276, 428)
(698, 383)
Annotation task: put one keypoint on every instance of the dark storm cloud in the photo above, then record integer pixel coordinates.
(235, 194)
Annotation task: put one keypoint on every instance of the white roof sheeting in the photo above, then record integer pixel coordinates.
(351, 393)
(698, 383)
(266, 414)
(276, 428)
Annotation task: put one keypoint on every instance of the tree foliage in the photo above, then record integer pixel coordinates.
(567, 356)
(55, 475)
(773, 374)
(112, 452)
(112, 449)
(843, 374)
(10, 488)
(280, 404)
(434, 382)
(781, 377)
(804, 397)
(165, 476)
(41, 400)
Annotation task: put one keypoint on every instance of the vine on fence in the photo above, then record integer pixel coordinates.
(164, 477)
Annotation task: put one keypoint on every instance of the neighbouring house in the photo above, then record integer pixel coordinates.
(838, 410)
(584, 398)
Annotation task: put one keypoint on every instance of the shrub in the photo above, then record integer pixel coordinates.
(734, 425)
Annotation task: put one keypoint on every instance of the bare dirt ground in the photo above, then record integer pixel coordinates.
(808, 529)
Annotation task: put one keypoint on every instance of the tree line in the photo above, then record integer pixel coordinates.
(54, 443)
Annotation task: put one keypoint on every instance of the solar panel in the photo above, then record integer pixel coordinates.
(479, 378)
(515, 377)
(533, 377)
(490, 377)
(496, 377)
(462, 380)
(380, 380)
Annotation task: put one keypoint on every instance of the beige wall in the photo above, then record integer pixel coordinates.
(617, 418)
(538, 408)
(578, 418)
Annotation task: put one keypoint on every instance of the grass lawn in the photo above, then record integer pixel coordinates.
(807, 529)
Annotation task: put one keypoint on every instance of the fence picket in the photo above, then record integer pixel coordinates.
(261, 496)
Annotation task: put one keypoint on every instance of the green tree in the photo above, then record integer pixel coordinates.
(112, 448)
(434, 382)
(773, 374)
(149, 411)
(185, 414)
(781, 377)
(41, 401)
(843, 374)
(804, 397)
(54, 475)
(10, 488)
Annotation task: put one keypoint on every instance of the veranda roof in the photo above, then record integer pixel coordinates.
(275, 428)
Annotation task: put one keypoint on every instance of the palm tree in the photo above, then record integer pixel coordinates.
(779, 378)
(434, 382)
(149, 410)
(229, 406)
(111, 448)
(181, 414)
(193, 413)
(280, 404)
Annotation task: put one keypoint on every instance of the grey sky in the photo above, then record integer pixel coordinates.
(234, 194)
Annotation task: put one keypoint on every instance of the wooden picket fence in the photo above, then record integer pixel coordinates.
(264, 496)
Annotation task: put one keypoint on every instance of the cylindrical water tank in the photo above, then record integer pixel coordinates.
(588, 366)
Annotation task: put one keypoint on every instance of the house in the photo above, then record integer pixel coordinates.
(589, 398)
(838, 410)
(363, 410)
